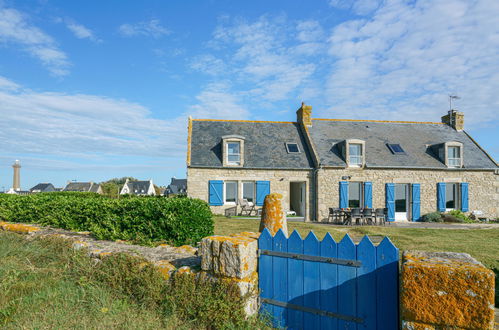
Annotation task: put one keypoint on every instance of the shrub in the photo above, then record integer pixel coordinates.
(432, 217)
(457, 216)
(144, 220)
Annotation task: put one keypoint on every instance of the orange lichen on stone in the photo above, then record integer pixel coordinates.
(446, 289)
(165, 268)
(164, 245)
(187, 249)
(18, 227)
(273, 215)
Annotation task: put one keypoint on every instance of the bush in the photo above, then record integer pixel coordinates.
(144, 220)
(457, 216)
(432, 217)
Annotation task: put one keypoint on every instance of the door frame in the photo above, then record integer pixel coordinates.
(303, 197)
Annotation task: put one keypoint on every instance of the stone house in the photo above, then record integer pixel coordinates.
(139, 188)
(43, 187)
(410, 168)
(176, 187)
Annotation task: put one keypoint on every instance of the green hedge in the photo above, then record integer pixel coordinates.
(140, 219)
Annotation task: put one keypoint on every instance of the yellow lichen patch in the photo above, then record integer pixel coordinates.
(18, 227)
(439, 290)
(186, 249)
(164, 245)
(104, 254)
(273, 215)
(165, 268)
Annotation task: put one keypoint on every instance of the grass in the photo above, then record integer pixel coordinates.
(45, 284)
(482, 244)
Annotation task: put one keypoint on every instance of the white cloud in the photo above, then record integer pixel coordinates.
(403, 62)
(152, 28)
(16, 29)
(80, 31)
(360, 7)
(208, 64)
(74, 125)
(217, 102)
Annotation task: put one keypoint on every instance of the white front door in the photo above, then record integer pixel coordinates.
(401, 202)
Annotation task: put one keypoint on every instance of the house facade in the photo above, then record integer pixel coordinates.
(410, 168)
(176, 187)
(139, 188)
(43, 187)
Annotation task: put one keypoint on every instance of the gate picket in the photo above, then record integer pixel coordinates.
(265, 271)
(295, 281)
(311, 283)
(306, 279)
(387, 256)
(280, 275)
(329, 283)
(366, 284)
(347, 292)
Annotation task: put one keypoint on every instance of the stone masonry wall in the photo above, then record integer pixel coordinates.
(483, 187)
(197, 183)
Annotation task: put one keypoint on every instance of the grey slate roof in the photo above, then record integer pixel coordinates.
(176, 186)
(138, 187)
(78, 186)
(413, 138)
(95, 188)
(264, 145)
(43, 187)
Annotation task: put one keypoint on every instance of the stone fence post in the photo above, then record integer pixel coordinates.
(444, 290)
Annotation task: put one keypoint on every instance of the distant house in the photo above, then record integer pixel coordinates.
(43, 187)
(83, 187)
(176, 187)
(139, 188)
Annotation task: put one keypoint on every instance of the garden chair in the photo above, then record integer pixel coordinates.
(246, 207)
(334, 215)
(356, 215)
(379, 216)
(367, 216)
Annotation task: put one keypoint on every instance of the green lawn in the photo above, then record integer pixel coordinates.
(482, 244)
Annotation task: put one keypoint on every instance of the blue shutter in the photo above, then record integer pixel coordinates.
(464, 197)
(416, 202)
(262, 190)
(441, 196)
(343, 194)
(216, 191)
(368, 195)
(390, 201)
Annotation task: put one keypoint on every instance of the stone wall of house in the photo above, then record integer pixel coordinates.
(280, 180)
(483, 187)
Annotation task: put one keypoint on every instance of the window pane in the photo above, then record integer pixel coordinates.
(355, 160)
(230, 191)
(233, 148)
(354, 194)
(249, 191)
(454, 162)
(233, 158)
(450, 196)
(292, 147)
(400, 198)
(355, 150)
(454, 152)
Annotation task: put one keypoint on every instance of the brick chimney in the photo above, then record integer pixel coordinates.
(304, 115)
(454, 119)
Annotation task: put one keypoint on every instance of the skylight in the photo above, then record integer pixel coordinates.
(292, 148)
(395, 148)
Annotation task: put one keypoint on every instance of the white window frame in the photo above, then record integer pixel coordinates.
(457, 196)
(229, 162)
(225, 192)
(346, 153)
(225, 150)
(254, 190)
(446, 153)
(361, 193)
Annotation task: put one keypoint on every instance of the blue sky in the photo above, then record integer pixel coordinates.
(91, 90)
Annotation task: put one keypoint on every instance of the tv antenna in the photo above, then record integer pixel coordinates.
(452, 97)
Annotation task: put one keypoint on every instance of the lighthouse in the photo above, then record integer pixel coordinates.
(16, 182)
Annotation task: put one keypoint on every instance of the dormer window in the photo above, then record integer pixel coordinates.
(454, 156)
(355, 154)
(233, 150)
(233, 153)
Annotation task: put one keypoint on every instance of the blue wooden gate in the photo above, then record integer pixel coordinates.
(312, 284)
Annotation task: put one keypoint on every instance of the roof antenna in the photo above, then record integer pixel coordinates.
(452, 97)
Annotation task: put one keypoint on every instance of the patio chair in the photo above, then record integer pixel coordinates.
(367, 216)
(334, 215)
(356, 215)
(379, 216)
(246, 207)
